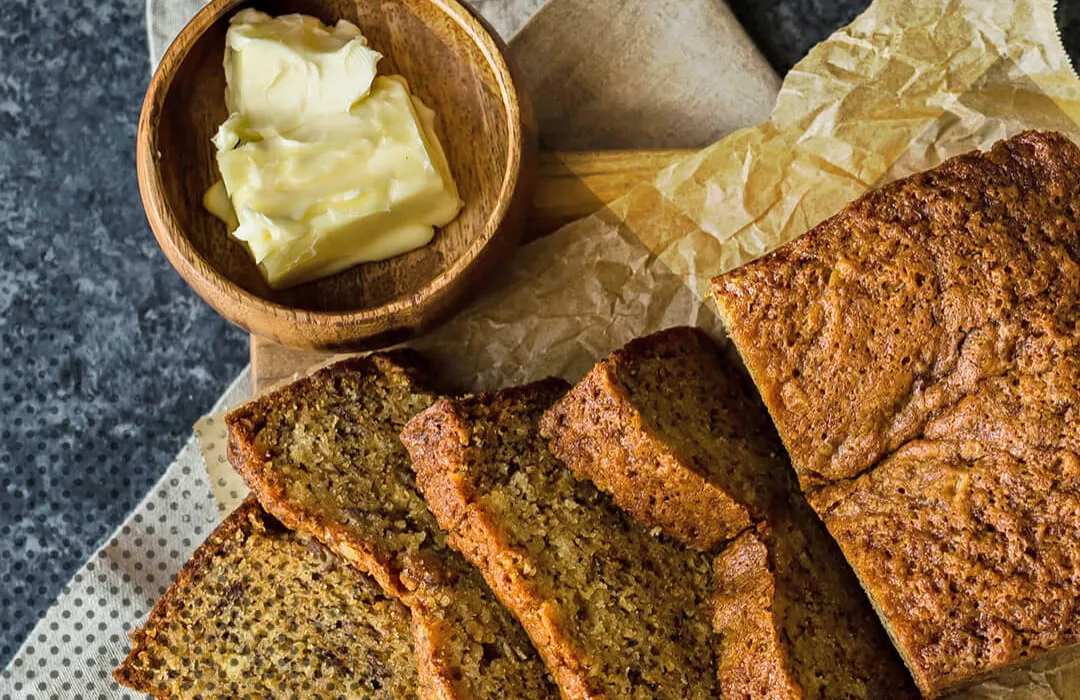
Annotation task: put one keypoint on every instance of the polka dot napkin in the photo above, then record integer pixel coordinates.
(227, 487)
(83, 636)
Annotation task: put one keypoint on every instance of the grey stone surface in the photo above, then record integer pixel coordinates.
(106, 359)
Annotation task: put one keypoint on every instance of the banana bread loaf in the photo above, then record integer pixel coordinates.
(259, 611)
(323, 455)
(920, 355)
(677, 437)
(793, 623)
(616, 611)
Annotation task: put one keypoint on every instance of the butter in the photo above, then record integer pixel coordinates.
(324, 164)
(216, 201)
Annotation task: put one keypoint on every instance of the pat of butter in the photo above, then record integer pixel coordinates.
(325, 165)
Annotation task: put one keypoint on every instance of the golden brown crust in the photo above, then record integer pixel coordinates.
(271, 489)
(913, 309)
(753, 661)
(702, 477)
(970, 556)
(295, 434)
(438, 443)
(513, 511)
(941, 310)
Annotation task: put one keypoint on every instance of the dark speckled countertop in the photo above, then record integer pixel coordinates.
(106, 358)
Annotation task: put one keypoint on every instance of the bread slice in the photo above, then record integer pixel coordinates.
(920, 355)
(615, 611)
(323, 455)
(794, 624)
(677, 437)
(259, 611)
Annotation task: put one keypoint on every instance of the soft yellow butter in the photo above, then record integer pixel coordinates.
(216, 201)
(325, 165)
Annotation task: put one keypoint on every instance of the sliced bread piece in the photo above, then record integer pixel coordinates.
(616, 611)
(323, 455)
(259, 611)
(793, 622)
(678, 437)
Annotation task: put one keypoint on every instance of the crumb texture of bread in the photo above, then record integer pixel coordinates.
(920, 355)
(616, 611)
(323, 455)
(971, 557)
(259, 611)
(946, 299)
(678, 437)
(793, 622)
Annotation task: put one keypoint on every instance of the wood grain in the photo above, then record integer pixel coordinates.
(570, 186)
(575, 184)
(456, 65)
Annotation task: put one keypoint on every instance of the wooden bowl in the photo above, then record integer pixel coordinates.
(456, 65)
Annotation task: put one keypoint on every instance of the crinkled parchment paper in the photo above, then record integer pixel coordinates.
(903, 87)
(906, 85)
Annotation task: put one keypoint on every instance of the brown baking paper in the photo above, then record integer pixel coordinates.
(903, 87)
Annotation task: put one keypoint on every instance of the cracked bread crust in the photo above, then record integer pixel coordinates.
(323, 455)
(969, 555)
(794, 624)
(946, 300)
(615, 611)
(679, 439)
(228, 627)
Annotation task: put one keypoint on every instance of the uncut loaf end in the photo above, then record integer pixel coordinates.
(920, 355)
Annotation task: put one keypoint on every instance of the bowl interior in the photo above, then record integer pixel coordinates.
(446, 65)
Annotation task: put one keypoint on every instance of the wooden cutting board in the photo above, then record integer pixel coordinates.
(570, 186)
